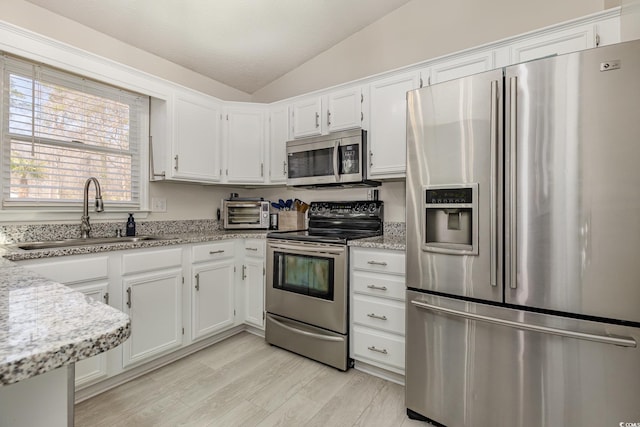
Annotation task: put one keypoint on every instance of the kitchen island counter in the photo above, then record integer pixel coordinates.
(45, 325)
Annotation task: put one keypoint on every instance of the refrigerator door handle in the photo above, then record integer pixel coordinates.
(513, 138)
(494, 183)
(605, 339)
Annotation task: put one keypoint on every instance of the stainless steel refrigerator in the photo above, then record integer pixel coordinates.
(523, 244)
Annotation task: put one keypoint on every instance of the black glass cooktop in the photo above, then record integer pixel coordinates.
(324, 236)
(338, 222)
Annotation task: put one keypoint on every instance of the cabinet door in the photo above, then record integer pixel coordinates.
(244, 145)
(461, 67)
(345, 109)
(555, 43)
(153, 302)
(306, 117)
(196, 142)
(388, 127)
(254, 274)
(278, 136)
(94, 368)
(212, 298)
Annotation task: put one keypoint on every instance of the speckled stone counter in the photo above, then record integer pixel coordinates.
(381, 242)
(45, 325)
(13, 253)
(394, 238)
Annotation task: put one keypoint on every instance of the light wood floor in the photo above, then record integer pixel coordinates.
(243, 381)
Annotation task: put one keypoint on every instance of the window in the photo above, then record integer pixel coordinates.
(58, 129)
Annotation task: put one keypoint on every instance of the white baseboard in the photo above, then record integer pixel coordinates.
(379, 372)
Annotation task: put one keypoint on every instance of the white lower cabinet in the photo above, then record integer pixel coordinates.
(378, 308)
(93, 369)
(87, 274)
(169, 310)
(152, 297)
(253, 274)
(213, 289)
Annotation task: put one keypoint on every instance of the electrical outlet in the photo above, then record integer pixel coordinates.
(158, 204)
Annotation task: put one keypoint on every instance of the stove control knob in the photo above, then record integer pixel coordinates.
(372, 207)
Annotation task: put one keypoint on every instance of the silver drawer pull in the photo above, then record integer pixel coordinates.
(221, 251)
(377, 288)
(373, 348)
(252, 249)
(377, 263)
(375, 316)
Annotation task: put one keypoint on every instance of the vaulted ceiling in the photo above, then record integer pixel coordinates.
(245, 44)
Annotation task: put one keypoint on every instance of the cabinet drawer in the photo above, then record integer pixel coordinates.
(378, 260)
(377, 313)
(379, 347)
(379, 285)
(254, 247)
(74, 270)
(214, 251)
(139, 261)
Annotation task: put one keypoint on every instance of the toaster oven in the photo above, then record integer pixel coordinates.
(245, 214)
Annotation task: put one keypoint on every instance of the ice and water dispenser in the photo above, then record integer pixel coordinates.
(450, 219)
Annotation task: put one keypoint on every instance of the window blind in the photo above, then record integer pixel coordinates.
(60, 129)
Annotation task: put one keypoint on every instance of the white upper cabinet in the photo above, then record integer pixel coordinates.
(345, 109)
(306, 117)
(387, 125)
(461, 66)
(244, 143)
(251, 148)
(278, 137)
(196, 138)
(553, 43)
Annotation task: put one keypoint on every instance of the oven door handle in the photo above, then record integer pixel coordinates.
(305, 333)
(308, 251)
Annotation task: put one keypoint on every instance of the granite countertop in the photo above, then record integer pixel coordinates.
(45, 325)
(13, 253)
(386, 241)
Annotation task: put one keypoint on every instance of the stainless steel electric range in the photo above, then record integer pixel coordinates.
(307, 296)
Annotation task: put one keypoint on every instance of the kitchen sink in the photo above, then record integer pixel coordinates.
(52, 244)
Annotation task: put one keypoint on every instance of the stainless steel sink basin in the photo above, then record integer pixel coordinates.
(51, 244)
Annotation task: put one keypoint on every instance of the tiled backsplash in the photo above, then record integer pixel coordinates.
(394, 229)
(29, 233)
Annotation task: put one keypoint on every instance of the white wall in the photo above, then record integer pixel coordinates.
(630, 20)
(422, 30)
(187, 201)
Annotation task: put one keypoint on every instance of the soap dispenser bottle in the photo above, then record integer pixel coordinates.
(131, 226)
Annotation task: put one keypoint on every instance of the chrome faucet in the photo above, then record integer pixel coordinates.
(85, 227)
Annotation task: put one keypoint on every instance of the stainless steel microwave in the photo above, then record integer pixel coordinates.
(337, 159)
(245, 214)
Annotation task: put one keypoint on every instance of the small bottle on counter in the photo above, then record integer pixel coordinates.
(131, 226)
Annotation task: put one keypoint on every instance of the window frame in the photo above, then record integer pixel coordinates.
(60, 210)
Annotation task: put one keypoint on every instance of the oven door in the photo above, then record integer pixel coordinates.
(307, 282)
(312, 162)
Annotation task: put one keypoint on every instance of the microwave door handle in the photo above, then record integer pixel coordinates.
(335, 160)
